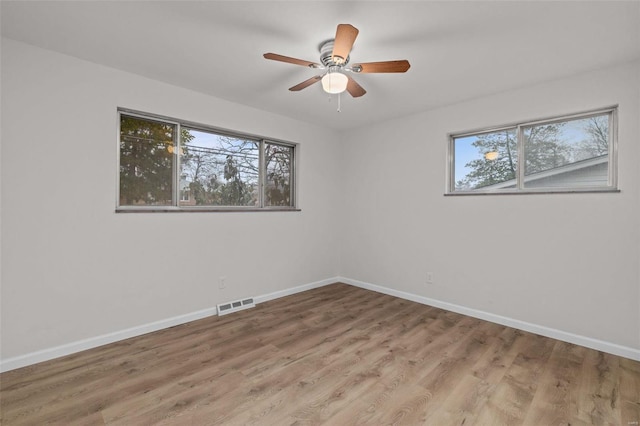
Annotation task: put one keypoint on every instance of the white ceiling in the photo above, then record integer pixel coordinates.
(457, 50)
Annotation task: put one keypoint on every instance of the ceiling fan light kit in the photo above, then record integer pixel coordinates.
(334, 82)
(334, 57)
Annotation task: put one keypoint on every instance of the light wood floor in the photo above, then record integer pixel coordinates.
(336, 355)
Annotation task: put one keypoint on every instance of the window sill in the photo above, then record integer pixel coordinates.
(203, 209)
(530, 192)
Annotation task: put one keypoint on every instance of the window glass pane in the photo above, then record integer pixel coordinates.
(278, 161)
(217, 170)
(146, 162)
(567, 154)
(485, 161)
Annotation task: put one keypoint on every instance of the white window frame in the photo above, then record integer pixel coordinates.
(612, 180)
(175, 207)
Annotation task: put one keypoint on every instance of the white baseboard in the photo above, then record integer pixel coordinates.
(588, 342)
(93, 342)
(294, 290)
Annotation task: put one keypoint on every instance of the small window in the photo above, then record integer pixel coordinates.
(565, 154)
(169, 165)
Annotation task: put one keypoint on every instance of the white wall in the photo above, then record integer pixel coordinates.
(372, 210)
(73, 269)
(564, 261)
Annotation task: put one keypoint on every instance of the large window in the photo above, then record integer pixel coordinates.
(171, 165)
(564, 154)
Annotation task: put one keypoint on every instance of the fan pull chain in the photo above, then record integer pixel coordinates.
(339, 102)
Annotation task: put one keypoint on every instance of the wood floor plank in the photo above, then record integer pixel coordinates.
(422, 355)
(492, 366)
(599, 403)
(463, 403)
(554, 402)
(335, 355)
(629, 392)
(338, 364)
(510, 402)
(446, 377)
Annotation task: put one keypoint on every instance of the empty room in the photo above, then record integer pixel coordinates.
(320, 213)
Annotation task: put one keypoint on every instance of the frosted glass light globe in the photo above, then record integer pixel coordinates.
(334, 82)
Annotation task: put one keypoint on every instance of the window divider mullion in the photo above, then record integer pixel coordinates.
(612, 149)
(261, 173)
(118, 153)
(451, 168)
(175, 193)
(521, 159)
(293, 190)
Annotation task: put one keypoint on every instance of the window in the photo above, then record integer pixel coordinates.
(170, 165)
(564, 154)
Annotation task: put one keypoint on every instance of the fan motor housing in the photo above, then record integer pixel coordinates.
(326, 51)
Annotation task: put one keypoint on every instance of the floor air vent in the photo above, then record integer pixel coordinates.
(235, 306)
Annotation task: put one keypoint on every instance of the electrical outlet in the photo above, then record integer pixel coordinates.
(223, 283)
(429, 278)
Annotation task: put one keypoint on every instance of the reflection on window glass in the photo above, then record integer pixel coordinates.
(278, 161)
(487, 160)
(146, 162)
(569, 153)
(218, 170)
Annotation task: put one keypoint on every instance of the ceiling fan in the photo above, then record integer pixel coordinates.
(334, 58)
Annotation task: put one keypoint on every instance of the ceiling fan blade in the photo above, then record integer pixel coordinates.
(354, 88)
(379, 67)
(345, 37)
(306, 83)
(295, 61)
